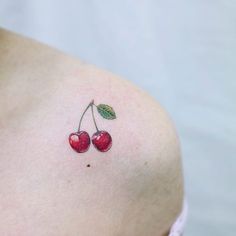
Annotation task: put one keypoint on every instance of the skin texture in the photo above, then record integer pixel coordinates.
(134, 189)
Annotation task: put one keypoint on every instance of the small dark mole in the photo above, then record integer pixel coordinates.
(88, 165)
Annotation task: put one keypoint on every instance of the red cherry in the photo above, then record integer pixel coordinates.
(79, 141)
(102, 141)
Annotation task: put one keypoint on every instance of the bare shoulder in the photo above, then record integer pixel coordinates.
(134, 188)
(145, 160)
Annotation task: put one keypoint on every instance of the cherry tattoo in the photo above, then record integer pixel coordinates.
(101, 139)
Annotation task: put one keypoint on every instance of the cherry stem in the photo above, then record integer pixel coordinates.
(94, 121)
(90, 105)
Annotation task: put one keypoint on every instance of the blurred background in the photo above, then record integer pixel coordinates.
(184, 54)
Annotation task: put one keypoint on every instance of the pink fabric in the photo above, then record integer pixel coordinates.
(178, 227)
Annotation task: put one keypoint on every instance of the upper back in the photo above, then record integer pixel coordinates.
(135, 188)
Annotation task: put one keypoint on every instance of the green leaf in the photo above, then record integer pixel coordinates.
(106, 111)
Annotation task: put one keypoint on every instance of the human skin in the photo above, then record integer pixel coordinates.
(47, 189)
